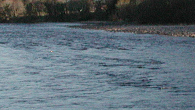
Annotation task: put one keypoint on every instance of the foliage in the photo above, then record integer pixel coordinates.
(7, 12)
(30, 9)
(160, 12)
(111, 6)
(127, 13)
(182, 11)
(56, 11)
(99, 14)
(148, 12)
(153, 11)
(80, 8)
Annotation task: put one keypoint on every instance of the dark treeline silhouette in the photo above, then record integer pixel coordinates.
(159, 12)
(146, 12)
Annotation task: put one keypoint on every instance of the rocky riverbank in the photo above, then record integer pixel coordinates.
(169, 30)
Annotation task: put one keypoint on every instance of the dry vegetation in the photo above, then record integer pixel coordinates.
(137, 11)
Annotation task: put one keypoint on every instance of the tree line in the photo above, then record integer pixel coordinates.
(55, 11)
(159, 12)
(147, 12)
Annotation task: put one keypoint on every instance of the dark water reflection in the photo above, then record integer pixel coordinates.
(50, 66)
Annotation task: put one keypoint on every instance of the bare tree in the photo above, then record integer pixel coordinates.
(7, 12)
(17, 8)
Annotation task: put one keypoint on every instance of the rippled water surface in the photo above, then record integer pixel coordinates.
(50, 66)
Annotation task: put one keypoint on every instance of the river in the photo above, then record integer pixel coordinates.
(50, 66)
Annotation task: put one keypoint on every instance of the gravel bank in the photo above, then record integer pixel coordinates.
(169, 30)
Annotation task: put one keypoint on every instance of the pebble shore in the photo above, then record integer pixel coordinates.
(169, 30)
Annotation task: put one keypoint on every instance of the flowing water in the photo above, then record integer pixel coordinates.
(51, 66)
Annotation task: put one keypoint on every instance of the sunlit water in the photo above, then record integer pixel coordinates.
(52, 67)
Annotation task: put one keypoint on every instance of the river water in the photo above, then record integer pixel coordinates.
(51, 66)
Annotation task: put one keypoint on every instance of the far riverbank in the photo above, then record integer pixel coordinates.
(168, 30)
